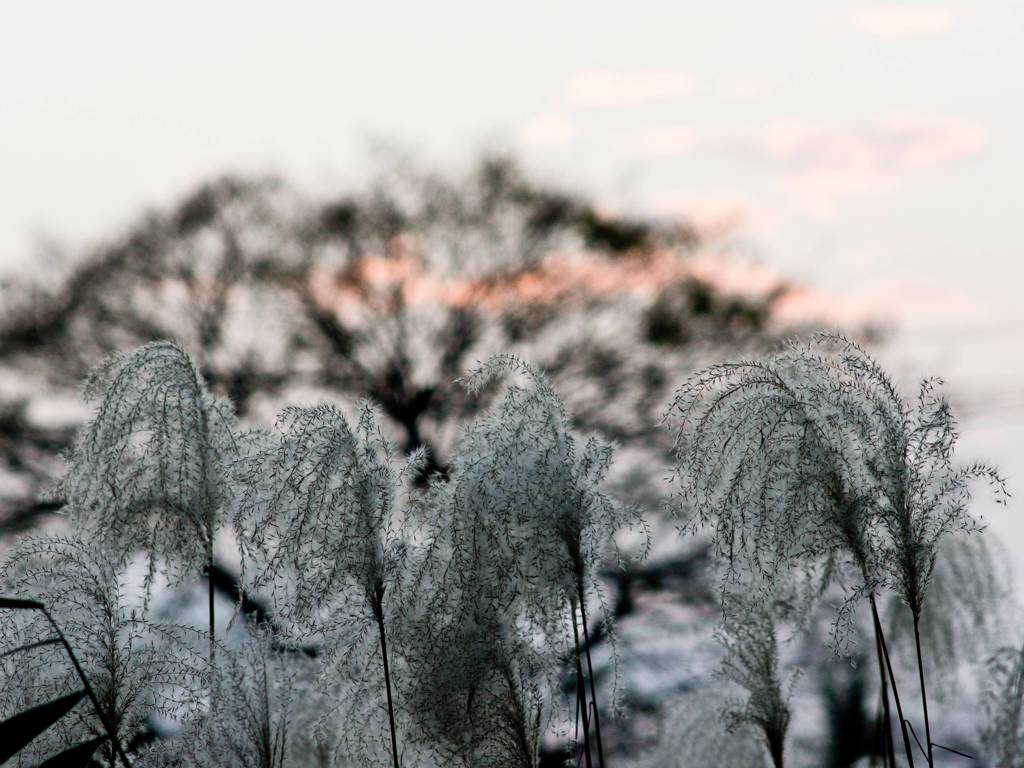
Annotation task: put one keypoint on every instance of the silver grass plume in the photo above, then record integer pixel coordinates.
(479, 674)
(769, 462)
(519, 465)
(694, 735)
(1002, 735)
(268, 712)
(321, 520)
(518, 471)
(137, 668)
(320, 515)
(751, 661)
(149, 472)
(921, 493)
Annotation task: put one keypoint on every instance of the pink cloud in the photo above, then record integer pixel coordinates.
(547, 130)
(735, 277)
(716, 214)
(613, 89)
(666, 141)
(821, 165)
(893, 301)
(891, 22)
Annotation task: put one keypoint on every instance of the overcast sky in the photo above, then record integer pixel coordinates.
(869, 147)
(874, 150)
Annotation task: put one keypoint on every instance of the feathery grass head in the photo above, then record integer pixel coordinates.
(695, 735)
(814, 451)
(266, 715)
(924, 496)
(136, 667)
(767, 458)
(321, 510)
(1002, 735)
(751, 661)
(476, 652)
(519, 464)
(906, 448)
(149, 471)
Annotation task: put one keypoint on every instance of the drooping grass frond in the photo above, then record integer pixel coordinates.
(321, 510)
(966, 594)
(518, 469)
(322, 515)
(149, 472)
(1002, 732)
(478, 675)
(769, 460)
(751, 661)
(137, 668)
(922, 494)
(694, 734)
(266, 715)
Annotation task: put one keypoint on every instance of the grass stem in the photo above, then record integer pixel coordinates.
(892, 680)
(581, 690)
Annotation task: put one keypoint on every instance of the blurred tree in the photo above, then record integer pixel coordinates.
(389, 293)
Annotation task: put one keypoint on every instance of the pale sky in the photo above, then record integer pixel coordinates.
(873, 150)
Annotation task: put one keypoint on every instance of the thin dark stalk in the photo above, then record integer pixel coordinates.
(590, 675)
(581, 690)
(887, 741)
(89, 691)
(266, 740)
(892, 679)
(955, 751)
(520, 734)
(209, 521)
(879, 740)
(30, 646)
(378, 612)
(776, 747)
(576, 720)
(924, 693)
(210, 593)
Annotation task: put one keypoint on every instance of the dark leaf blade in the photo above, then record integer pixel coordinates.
(76, 757)
(19, 730)
(16, 604)
(30, 646)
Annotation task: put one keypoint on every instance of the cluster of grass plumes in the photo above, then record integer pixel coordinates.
(751, 662)
(436, 624)
(813, 455)
(138, 668)
(269, 712)
(1002, 734)
(149, 472)
(412, 626)
(695, 733)
(477, 676)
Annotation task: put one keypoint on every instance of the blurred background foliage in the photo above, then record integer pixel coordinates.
(392, 291)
